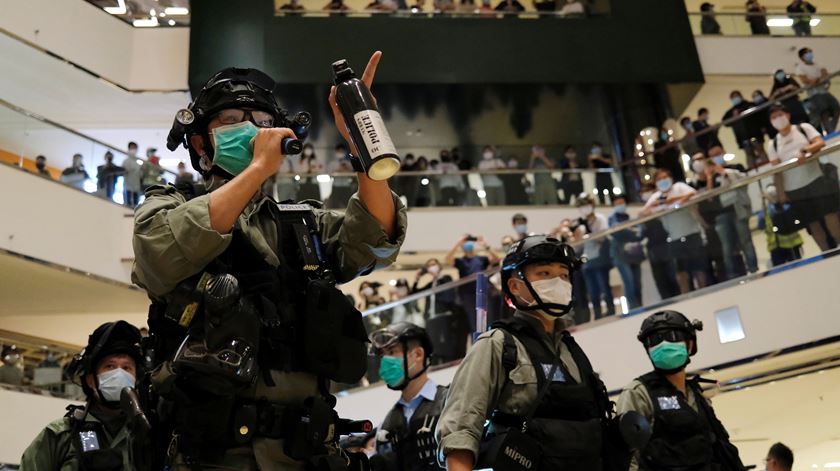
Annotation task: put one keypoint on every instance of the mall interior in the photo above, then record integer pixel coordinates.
(571, 119)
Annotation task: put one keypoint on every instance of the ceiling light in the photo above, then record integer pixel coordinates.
(323, 178)
(728, 157)
(173, 11)
(481, 194)
(162, 14)
(835, 464)
(815, 21)
(152, 12)
(146, 22)
(779, 22)
(117, 10)
(171, 22)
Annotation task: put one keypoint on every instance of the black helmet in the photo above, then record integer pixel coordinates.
(403, 332)
(230, 88)
(108, 339)
(671, 326)
(533, 249)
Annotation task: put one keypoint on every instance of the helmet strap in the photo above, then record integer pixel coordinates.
(539, 305)
(408, 379)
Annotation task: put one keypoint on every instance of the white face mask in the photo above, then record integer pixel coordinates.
(698, 166)
(308, 152)
(646, 195)
(585, 210)
(367, 291)
(553, 291)
(487, 155)
(780, 122)
(111, 384)
(434, 269)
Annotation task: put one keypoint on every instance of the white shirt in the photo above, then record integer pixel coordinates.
(492, 164)
(592, 248)
(678, 224)
(449, 181)
(813, 72)
(572, 9)
(785, 148)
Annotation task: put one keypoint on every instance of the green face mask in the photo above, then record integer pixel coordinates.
(233, 142)
(391, 370)
(669, 355)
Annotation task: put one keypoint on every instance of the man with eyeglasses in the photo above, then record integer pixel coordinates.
(246, 324)
(686, 434)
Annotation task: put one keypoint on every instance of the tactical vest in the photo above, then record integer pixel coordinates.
(91, 444)
(569, 422)
(287, 318)
(682, 438)
(411, 446)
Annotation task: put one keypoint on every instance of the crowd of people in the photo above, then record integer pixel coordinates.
(445, 187)
(799, 11)
(565, 8)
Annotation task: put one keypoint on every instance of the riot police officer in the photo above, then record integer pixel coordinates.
(686, 433)
(93, 437)
(405, 440)
(246, 324)
(548, 409)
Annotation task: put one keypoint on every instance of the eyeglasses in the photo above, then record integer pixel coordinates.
(261, 119)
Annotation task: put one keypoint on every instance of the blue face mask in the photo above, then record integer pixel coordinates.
(669, 355)
(621, 208)
(736, 100)
(233, 146)
(808, 56)
(719, 160)
(112, 382)
(521, 228)
(758, 99)
(469, 246)
(391, 370)
(664, 184)
(596, 150)
(780, 76)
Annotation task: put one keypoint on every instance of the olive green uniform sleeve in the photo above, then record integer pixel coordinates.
(474, 392)
(49, 450)
(635, 397)
(355, 242)
(173, 239)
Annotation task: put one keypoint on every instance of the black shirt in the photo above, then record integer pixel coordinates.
(746, 128)
(513, 5)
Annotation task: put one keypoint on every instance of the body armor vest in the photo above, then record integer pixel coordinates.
(242, 317)
(411, 446)
(91, 443)
(682, 437)
(569, 421)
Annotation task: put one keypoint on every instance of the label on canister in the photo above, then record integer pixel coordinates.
(376, 137)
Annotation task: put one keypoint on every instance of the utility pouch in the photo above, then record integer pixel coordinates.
(334, 339)
(312, 428)
(327, 463)
(512, 450)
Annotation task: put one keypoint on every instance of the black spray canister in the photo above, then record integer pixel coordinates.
(367, 130)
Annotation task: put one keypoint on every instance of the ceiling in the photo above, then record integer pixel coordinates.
(801, 412)
(30, 288)
(143, 9)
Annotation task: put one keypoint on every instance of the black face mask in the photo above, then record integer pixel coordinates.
(40, 166)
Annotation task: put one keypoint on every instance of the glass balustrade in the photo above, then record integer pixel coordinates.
(25, 136)
(687, 242)
(771, 23)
